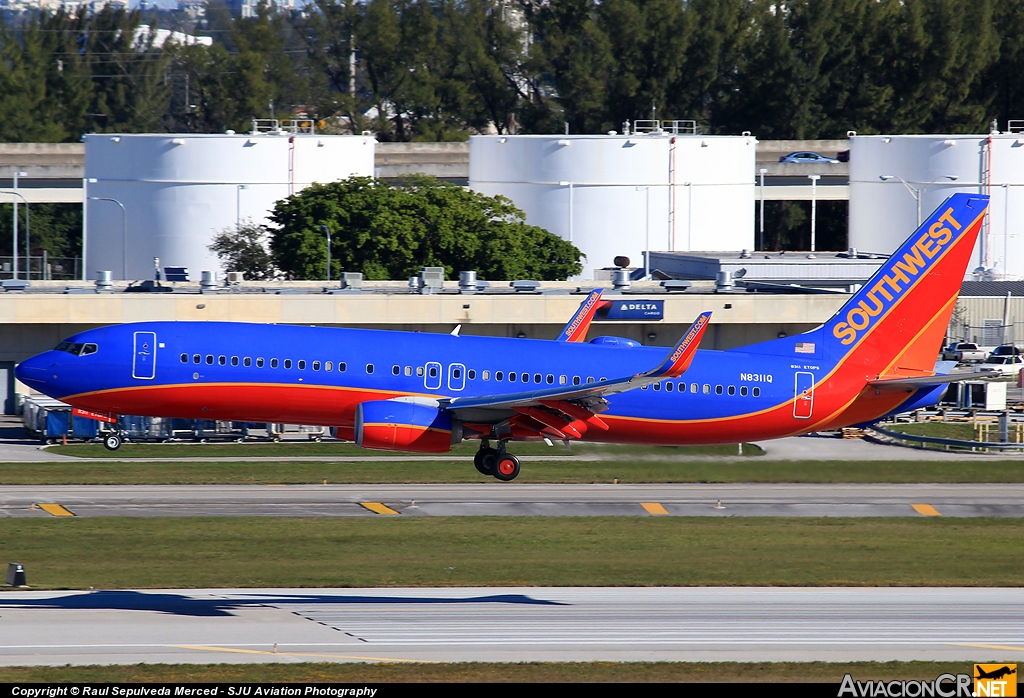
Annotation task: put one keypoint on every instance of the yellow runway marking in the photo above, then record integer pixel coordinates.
(988, 647)
(55, 510)
(926, 510)
(378, 508)
(302, 654)
(654, 508)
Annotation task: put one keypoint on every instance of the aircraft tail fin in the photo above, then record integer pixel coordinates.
(577, 327)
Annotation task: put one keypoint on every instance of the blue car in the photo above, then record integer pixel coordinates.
(806, 156)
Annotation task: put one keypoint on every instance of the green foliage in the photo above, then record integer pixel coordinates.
(244, 248)
(56, 228)
(391, 230)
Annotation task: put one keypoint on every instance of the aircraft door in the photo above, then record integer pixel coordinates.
(144, 364)
(456, 377)
(432, 375)
(803, 395)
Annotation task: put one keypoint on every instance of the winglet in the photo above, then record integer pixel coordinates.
(678, 360)
(576, 329)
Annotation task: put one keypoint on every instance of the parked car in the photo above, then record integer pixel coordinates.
(806, 156)
(1008, 365)
(1006, 350)
(964, 352)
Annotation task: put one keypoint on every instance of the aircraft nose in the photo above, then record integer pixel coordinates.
(35, 372)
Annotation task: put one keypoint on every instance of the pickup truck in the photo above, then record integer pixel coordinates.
(964, 353)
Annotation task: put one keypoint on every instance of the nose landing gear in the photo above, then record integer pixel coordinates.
(495, 461)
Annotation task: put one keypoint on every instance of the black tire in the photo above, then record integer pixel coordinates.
(506, 467)
(484, 460)
(112, 442)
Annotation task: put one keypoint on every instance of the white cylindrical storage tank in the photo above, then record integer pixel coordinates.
(627, 193)
(178, 191)
(890, 175)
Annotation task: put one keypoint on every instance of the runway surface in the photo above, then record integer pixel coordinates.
(511, 624)
(511, 499)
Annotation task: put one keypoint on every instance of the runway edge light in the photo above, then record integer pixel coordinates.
(16, 574)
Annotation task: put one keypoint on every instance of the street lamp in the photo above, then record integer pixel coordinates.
(917, 191)
(762, 172)
(238, 204)
(28, 231)
(814, 205)
(328, 232)
(14, 246)
(124, 233)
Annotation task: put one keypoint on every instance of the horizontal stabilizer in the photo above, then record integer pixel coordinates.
(917, 382)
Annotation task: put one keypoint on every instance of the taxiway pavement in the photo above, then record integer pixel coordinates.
(513, 499)
(511, 624)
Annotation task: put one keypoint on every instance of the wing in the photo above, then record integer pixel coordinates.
(576, 329)
(566, 411)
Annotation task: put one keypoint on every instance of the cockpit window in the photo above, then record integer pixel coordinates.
(77, 348)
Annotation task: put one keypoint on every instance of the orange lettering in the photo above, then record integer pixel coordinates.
(927, 246)
(872, 311)
(858, 325)
(948, 218)
(912, 262)
(898, 275)
(939, 234)
(880, 288)
(843, 332)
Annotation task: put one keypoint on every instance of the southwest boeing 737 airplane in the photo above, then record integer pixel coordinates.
(417, 392)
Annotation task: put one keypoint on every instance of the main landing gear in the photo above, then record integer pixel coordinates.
(495, 461)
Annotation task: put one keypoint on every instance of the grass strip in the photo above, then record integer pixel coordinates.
(590, 672)
(328, 449)
(639, 470)
(113, 553)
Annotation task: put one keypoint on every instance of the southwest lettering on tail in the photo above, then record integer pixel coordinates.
(430, 391)
(897, 275)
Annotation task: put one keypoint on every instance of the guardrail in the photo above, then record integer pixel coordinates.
(937, 440)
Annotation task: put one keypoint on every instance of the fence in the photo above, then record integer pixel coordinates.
(43, 268)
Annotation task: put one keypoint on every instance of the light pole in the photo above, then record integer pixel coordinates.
(124, 233)
(238, 204)
(28, 231)
(647, 230)
(568, 184)
(762, 172)
(917, 191)
(14, 246)
(814, 205)
(328, 232)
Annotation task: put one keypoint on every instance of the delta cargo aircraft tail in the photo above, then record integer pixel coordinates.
(422, 393)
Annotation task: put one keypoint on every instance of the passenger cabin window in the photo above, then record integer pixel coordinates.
(234, 360)
(273, 363)
(657, 386)
(456, 373)
(302, 365)
(718, 390)
(396, 369)
(184, 358)
(209, 359)
(433, 371)
(512, 376)
(693, 388)
(328, 366)
(196, 358)
(486, 375)
(526, 377)
(247, 361)
(499, 375)
(562, 380)
(669, 387)
(222, 360)
(259, 362)
(743, 391)
(732, 389)
(408, 370)
(316, 365)
(342, 367)
(471, 374)
(536, 378)
(576, 380)
(369, 368)
(419, 371)
(590, 379)
(756, 392)
(287, 363)
(550, 379)
(707, 389)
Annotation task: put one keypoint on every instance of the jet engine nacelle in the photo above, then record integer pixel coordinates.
(404, 425)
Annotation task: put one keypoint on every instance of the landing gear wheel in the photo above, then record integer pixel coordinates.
(506, 467)
(484, 460)
(112, 442)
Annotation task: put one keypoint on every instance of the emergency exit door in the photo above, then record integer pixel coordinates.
(144, 365)
(803, 395)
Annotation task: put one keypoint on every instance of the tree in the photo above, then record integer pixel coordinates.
(390, 230)
(244, 248)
